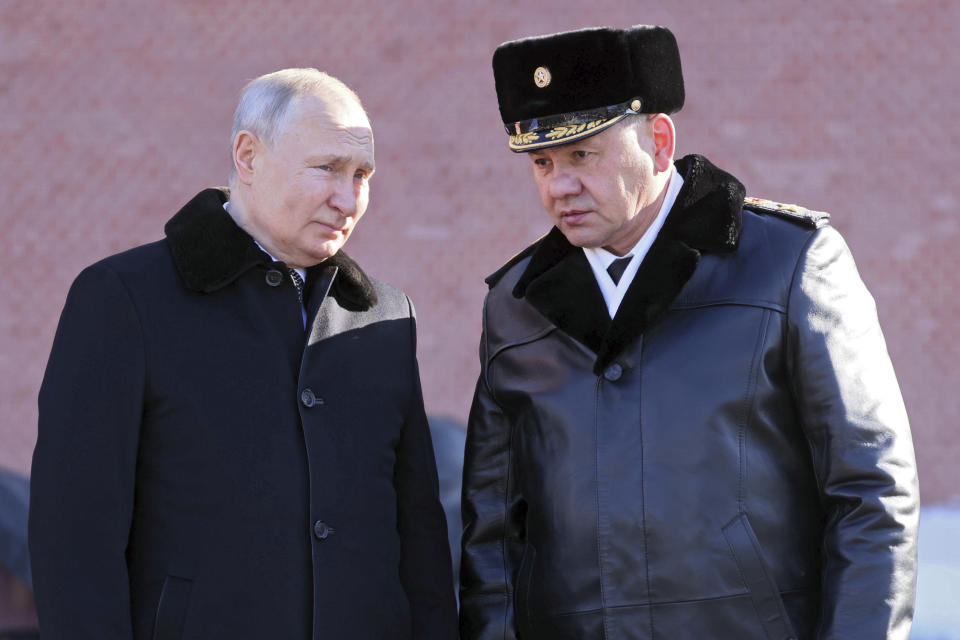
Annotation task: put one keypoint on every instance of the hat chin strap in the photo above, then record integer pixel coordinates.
(561, 134)
(630, 107)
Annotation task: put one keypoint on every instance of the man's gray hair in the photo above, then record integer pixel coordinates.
(265, 101)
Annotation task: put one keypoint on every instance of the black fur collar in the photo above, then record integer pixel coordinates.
(559, 283)
(211, 251)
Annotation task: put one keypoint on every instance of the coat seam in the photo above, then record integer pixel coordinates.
(743, 578)
(729, 302)
(596, 427)
(749, 401)
(802, 260)
(486, 376)
(790, 347)
(503, 539)
(521, 341)
(643, 491)
(136, 313)
(666, 603)
(766, 574)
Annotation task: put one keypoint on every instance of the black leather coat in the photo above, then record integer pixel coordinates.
(729, 457)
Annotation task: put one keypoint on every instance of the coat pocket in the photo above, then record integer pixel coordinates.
(763, 590)
(172, 608)
(521, 593)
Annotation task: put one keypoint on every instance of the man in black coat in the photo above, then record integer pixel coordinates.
(686, 424)
(232, 440)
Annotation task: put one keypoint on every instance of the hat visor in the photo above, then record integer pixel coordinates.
(561, 134)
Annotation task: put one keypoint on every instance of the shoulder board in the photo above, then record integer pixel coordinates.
(808, 217)
(495, 277)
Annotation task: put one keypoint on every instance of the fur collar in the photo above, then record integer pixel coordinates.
(559, 283)
(210, 251)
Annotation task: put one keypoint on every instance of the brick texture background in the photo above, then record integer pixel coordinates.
(116, 112)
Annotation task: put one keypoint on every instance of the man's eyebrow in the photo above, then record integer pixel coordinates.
(339, 161)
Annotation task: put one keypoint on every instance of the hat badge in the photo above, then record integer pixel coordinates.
(542, 77)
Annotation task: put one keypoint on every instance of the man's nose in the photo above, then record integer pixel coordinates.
(564, 183)
(344, 197)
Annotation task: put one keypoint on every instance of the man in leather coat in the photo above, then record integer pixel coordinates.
(686, 423)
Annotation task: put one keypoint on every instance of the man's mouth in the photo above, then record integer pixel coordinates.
(331, 229)
(573, 216)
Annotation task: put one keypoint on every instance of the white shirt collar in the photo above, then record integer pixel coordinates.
(600, 259)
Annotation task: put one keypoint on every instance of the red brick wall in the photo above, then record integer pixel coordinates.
(115, 113)
(114, 116)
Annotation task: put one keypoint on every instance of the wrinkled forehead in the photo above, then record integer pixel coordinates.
(340, 121)
(351, 146)
(339, 131)
(339, 112)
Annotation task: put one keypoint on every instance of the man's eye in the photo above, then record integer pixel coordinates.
(579, 153)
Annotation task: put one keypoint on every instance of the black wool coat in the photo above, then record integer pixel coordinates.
(206, 469)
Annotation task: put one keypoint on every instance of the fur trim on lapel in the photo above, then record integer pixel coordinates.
(559, 282)
(210, 251)
(352, 288)
(208, 247)
(710, 204)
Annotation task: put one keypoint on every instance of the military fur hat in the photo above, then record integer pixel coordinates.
(563, 87)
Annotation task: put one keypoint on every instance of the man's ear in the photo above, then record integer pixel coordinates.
(246, 146)
(664, 141)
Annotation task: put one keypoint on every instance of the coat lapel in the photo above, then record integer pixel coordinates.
(351, 294)
(351, 286)
(559, 283)
(211, 251)
(208, 247)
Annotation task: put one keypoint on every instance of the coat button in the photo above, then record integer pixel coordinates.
(274, 278)
(321, 531)
(613, 372)
(308, 398)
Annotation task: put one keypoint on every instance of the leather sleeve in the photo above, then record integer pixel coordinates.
(425, 566)
(84, 464)
(853, 415)
(492, 527)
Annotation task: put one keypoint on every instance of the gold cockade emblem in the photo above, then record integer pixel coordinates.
(541, 77)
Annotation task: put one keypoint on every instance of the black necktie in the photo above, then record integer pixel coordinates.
(298, 283)
(617, 267)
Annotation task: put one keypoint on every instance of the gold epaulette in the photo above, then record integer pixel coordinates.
(794, 212)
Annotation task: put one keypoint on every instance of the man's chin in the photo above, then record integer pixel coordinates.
(580, 237)
(320, 253)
